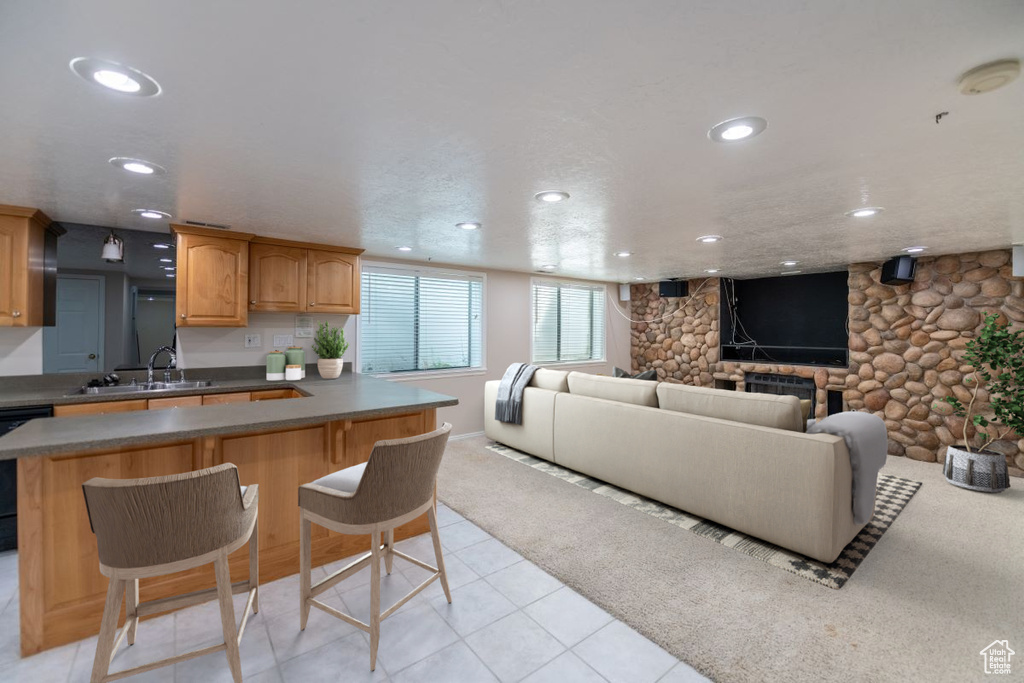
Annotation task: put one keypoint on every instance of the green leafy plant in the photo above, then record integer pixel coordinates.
(329, 342)
(997, 355)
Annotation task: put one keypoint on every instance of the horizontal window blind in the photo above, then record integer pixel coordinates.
(414, 319)
(568, 322)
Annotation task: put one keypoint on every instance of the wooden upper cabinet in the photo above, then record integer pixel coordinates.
(297, 276)
(277, 278)
(24, 237)
(213, 277)
(332, 282)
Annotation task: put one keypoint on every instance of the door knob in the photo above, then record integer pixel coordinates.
(253, 302)
(92, 356)
(182, 316)
(312, 304)
(15, 314)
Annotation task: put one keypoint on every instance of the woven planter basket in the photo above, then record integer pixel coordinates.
(985, 471)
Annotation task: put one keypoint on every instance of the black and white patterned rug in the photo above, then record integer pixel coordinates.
(893, 494)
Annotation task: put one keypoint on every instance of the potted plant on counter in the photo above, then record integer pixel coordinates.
(329, 345)
(997, 356)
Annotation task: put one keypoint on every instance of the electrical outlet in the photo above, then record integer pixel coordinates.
(281, 340)
(253, 341)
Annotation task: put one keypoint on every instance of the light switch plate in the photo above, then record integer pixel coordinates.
(253, 341)
(281, 340)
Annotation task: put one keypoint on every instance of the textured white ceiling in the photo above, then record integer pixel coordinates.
(376, 123)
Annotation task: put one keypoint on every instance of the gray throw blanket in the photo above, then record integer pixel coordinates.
(868, 444)
(509, 406)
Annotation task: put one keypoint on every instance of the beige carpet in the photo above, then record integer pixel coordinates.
(943, 582)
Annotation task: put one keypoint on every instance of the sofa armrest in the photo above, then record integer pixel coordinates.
(867, 442)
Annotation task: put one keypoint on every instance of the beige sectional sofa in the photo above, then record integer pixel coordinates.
(742, 460)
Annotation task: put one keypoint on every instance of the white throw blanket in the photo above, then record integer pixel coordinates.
(868, 444)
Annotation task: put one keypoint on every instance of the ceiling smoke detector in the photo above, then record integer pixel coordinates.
(989, 77)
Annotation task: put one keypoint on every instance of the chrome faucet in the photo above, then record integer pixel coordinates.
(167, 371)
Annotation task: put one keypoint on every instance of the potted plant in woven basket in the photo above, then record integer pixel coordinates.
(997, 356)
(329, 345)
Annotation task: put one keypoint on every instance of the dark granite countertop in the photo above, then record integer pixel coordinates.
(351, 396)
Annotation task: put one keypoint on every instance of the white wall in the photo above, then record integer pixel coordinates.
(217, 347)
(21, 350)
(507, 313)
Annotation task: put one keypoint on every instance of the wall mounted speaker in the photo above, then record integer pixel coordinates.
(668, 289)
(623, 292)
(899, 270)
(1018, 261)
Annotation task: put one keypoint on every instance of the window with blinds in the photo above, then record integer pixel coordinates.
(568, 322)
(416, 319)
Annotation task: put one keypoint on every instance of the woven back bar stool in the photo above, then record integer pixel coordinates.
(161, 525)
(396, 485)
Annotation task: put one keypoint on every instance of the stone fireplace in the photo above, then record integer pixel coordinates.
(906, 345)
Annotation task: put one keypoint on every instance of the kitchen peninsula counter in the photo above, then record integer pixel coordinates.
(315, 428)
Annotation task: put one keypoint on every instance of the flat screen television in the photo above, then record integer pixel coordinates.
(793, 319)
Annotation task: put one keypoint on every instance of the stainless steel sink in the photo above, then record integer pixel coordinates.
(142, 388)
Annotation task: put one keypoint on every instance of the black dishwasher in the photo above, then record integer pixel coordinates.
(11, 419)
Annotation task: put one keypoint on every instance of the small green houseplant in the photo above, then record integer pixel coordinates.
(997, 356)
(329, 345)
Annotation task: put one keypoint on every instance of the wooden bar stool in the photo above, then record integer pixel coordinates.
(396, 485)
(161, 525)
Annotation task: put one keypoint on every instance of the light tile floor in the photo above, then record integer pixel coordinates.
(508, 621)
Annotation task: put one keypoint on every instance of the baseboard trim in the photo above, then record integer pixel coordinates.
(460, 437)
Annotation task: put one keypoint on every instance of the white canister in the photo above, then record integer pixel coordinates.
(293, 373)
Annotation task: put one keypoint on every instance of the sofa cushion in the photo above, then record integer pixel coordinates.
(765, 410)
(636, 391)
(552, 380)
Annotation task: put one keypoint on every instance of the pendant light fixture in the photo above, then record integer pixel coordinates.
(113, 249)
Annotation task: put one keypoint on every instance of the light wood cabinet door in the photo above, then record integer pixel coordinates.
(277, 278)
(333, 282)
(212, 282)
(102, 408)
(22, 262)
(175, 402)
(221, 399)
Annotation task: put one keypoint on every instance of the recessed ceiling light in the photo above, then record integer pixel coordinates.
(639, 278)
(623, 254)
(150, 213)
(549, 267)
(137, 166)
(166, 260)
(711, 271)
(789, 272)
(738, 129)
(404, 248)
(162, 245)
(551, 196)
(789, 263)
(468, 226)
(117, 77)
(865, 212)
(709, 239)
(914, 250)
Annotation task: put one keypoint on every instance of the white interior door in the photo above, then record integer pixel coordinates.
(76, 343)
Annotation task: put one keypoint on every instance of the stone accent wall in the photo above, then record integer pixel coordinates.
(906, 346)
(680, 343)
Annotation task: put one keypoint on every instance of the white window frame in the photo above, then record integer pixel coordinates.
(558, 363)
(410, 375)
